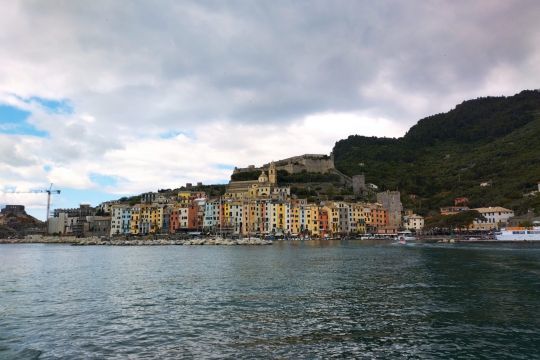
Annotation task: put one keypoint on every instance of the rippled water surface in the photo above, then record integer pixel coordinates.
(289, 300)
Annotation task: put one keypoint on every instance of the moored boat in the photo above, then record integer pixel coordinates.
(405, 236)
(519, 234)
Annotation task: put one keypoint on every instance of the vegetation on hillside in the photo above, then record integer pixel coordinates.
(246, 175)
(493, 141)
(284, 178)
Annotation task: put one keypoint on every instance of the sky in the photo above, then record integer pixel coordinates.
(111, 98)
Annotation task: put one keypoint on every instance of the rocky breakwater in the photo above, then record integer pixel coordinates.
(40, 239)
(158, 242)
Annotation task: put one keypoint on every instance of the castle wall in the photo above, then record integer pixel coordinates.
(310, 163)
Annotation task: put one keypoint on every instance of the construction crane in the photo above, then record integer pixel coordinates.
(49, 191)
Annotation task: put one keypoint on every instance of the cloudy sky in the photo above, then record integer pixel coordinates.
(106, 98)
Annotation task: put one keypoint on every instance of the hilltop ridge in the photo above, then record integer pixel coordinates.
(493, 141)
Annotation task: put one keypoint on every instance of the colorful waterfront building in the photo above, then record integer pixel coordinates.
(212, 215)
(377, 221)
(120, 219)
(333, 218)
(357, 220)
(135, 219)
(155, 219)
(183, 211)
(174, 219)
(323, 222)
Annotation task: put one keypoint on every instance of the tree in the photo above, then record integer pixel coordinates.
(461, 220)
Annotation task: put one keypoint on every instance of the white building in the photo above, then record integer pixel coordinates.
(120, 219)
(496, 217)
(58, 224)
(413, 222)
(183, 217)
(106, 206)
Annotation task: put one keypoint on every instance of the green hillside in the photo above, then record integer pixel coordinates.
(493, 139)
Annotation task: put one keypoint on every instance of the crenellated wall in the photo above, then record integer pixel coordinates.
(316, 163)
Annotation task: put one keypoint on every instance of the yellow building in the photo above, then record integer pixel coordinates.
(357, 215)
(294, 218)
(253, 217)
(145, 221)
(333, 218)
(184, 197)
(155, 217)
(279, 217)
(311, 214)
(135, 218)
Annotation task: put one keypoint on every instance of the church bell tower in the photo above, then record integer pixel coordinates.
(272, 174)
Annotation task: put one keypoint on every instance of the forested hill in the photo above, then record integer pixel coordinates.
(493, 140)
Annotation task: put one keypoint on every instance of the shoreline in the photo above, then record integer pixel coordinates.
(104, 241)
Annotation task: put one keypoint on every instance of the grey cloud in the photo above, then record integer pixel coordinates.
(174, 63)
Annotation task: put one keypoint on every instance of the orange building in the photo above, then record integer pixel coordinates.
(323, 222)
(193, 218)
(379, 217)
(174, 220)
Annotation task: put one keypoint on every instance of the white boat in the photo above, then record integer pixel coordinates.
(519, 234)
(405, 236)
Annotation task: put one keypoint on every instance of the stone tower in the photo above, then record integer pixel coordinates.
(359, 184)
(272, 174)
(391, 201)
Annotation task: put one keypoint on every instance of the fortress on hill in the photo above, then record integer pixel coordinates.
(313, 163)
(310, 163)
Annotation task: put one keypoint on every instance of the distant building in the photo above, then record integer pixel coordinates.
(496, 217)
(452, 210)
(534, 192)
(17, 210)
(528, 218)
(97, 226)
(148, 197)
(413, 222)
(82, 211)
(105, 207)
